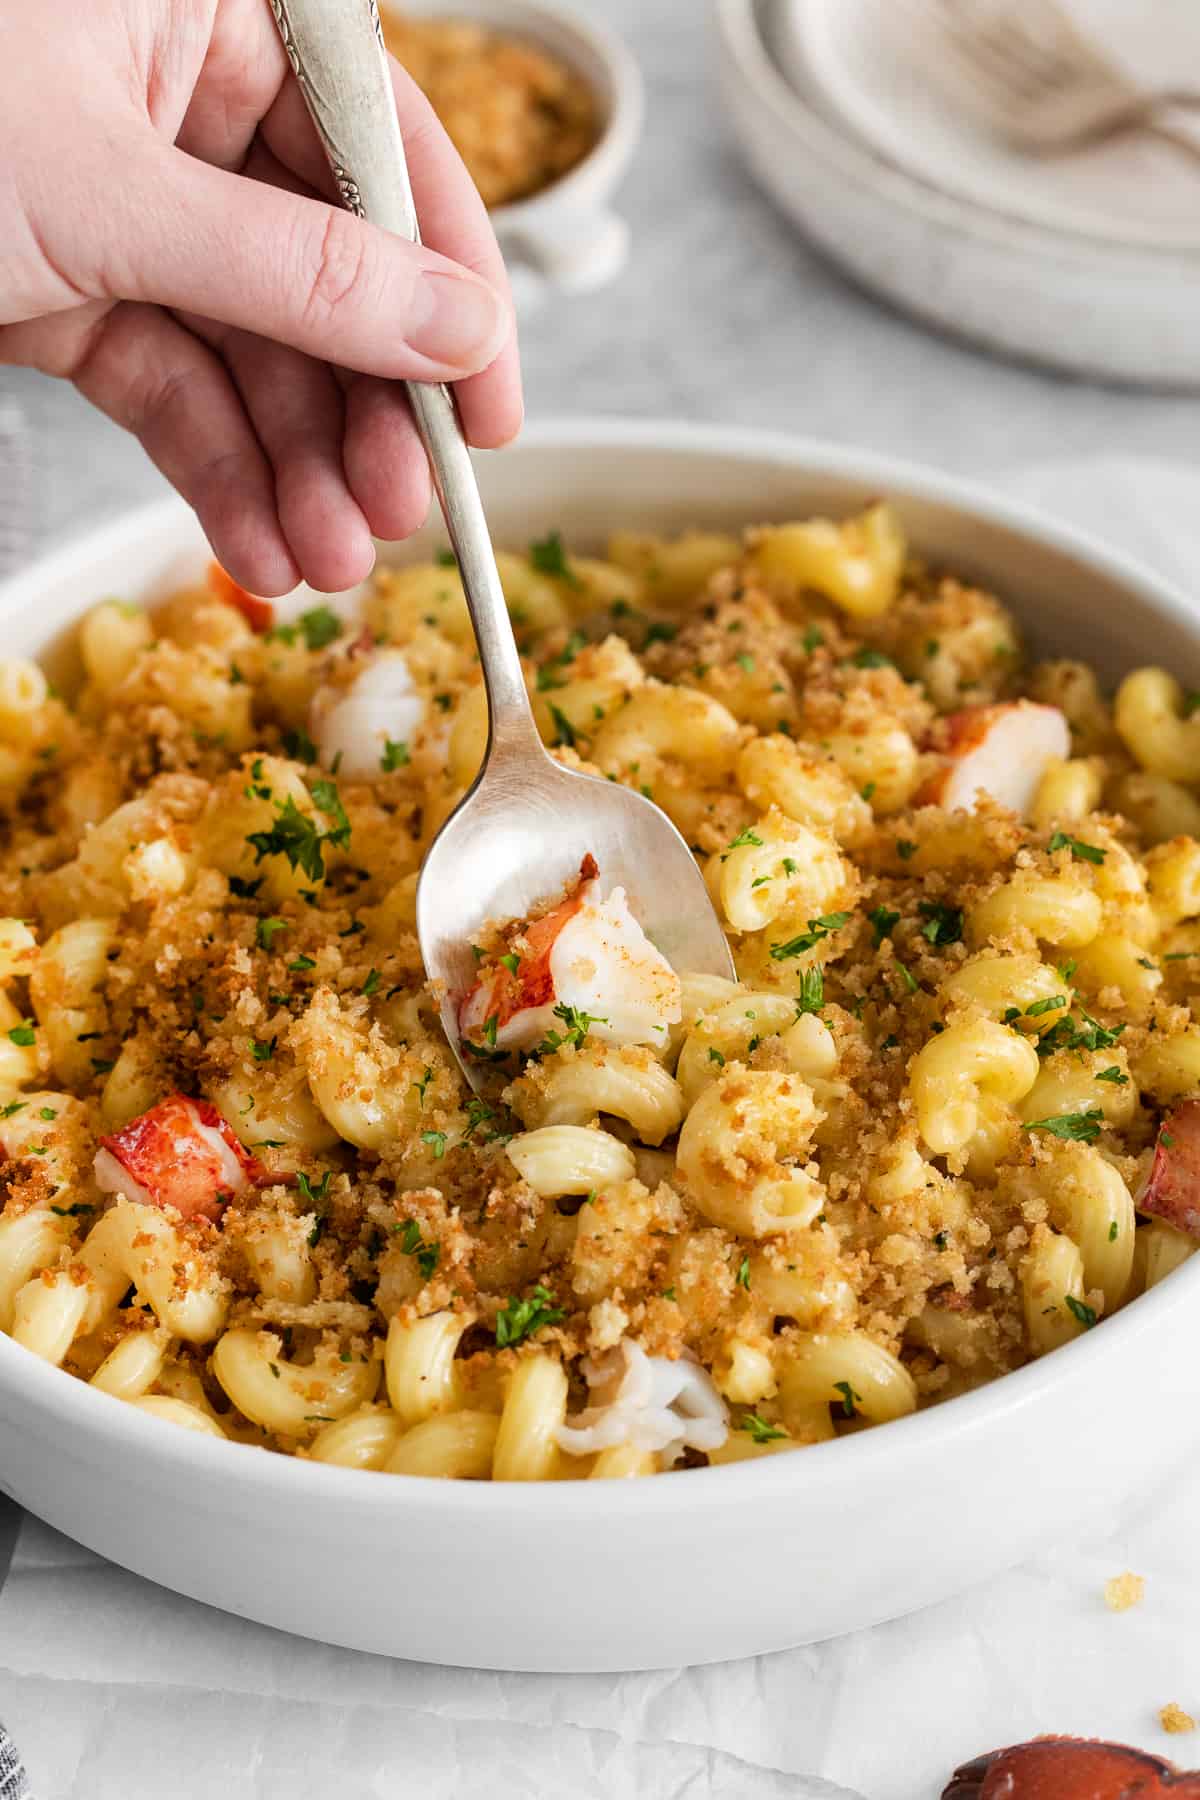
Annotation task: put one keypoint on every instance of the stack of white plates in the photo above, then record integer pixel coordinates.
(1089, 262)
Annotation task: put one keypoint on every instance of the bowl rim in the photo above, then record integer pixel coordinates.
(605, 163)
(104, 1424)
(740, 37)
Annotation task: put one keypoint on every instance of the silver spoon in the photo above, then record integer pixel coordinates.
(520, 834)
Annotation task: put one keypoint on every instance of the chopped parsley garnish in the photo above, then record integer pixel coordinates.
(318, 626)
(1113, 1232)
(520, 1319)
(445, 558)
(659, 632)
(262, 1049)
(481, 1115)
(23, 1035)
(548, 557)
(910, 981)
(1078, 1127)
(578, 1023)
(299, 746)
(745, 662)
(267, 930)
(760, 1431)
(245, 890)
(510, 961)
(1180, 955)
(1067, 1035)
(421, 1085)
(1081, 1311)
(939, 1240)
(743, 838)
(314, 1194)
(715, 1056)
(851, 1401)
(102, 1065)
(742, 1278)
(298, 837)
(1038, 1008)
(868, 790)
(943, 923)
(789, 865)
(565, 733)
(413, 1244)
(882, 919)
(437, 1143)
(300, 963)
(395, 755)
(811, 997)
(867, 658)
(1080, 852)
(817, 929)
(812, 639)
(905, 848)
(72, 1212)
(371, 984)
(13, 1107)
(1166, 1140)
(1117, 1076)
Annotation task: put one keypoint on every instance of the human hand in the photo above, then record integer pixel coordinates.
(168, 243)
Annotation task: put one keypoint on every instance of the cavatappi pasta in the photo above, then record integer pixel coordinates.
(945, 1121)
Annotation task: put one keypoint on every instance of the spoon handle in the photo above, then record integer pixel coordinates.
(337, 53)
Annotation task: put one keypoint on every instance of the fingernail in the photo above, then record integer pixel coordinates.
(456, 321)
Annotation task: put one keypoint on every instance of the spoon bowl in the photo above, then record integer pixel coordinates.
(518, 839)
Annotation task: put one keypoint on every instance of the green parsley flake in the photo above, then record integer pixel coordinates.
(905, 848)
(944, 924)
(578, 1024)
(300, 963)
(811, 997)
(395, 755)
(437, 1143)
(742, 1277)
(1117, 1076)
(851, 1401)
(1078, 1127)
(299, 746)
(521, 1319)
(817, 929)
(760, 1431)
(1085, 1314)
(1080, 852)
(565, 733)
(23, 1035)
(548, 557)
(743, 838)
(262, 1049)
(267, 930)
(882, 919)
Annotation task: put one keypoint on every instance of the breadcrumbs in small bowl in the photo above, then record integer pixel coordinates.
(518, 116)
(545, 108)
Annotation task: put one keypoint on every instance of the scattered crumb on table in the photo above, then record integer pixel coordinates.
(1124, 1591)
(1173, 1718)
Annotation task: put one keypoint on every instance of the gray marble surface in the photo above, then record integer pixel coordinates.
(721, 314)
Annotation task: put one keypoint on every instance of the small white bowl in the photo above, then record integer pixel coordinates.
(690, 1567)
(566, 236)
(1117, 312)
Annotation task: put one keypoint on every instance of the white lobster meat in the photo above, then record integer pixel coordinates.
(999, 750)
(353, 723)
(648, 1401)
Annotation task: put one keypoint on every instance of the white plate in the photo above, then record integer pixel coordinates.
(874, 66)
(692, 1567)
(1090, 306)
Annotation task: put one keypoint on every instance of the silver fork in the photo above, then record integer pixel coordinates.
(1041, 83)
(525, 826)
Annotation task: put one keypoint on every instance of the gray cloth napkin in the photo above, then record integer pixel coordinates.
(16, 501)
(14, 1783)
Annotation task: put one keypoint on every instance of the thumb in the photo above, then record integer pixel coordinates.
(305, 273)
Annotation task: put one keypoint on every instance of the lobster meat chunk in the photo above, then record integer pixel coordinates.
(586, 956)
(259, 614)
(1002, 750)
(1172, 1189)
(363, 725)
(1060, 1768)
(182, 1154)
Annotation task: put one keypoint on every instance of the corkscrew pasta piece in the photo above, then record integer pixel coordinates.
(456, 1446)
(848, 1371)
(285, 1397)
(365, 1439)
(177, 1412)
(1052, 908)
(1052, 1292)
(422, 1376)
(855, 563)
(743, 1151)
(625, 1081)
(1158, 729)
(570, 1159)
(949, 1077)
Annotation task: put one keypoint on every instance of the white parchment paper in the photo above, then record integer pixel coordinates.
(117, 1690)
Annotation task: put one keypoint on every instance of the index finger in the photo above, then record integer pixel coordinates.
(453, 221)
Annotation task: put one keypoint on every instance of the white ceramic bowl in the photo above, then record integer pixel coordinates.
(690, 1567)
(567, 236)
(1119, 312)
